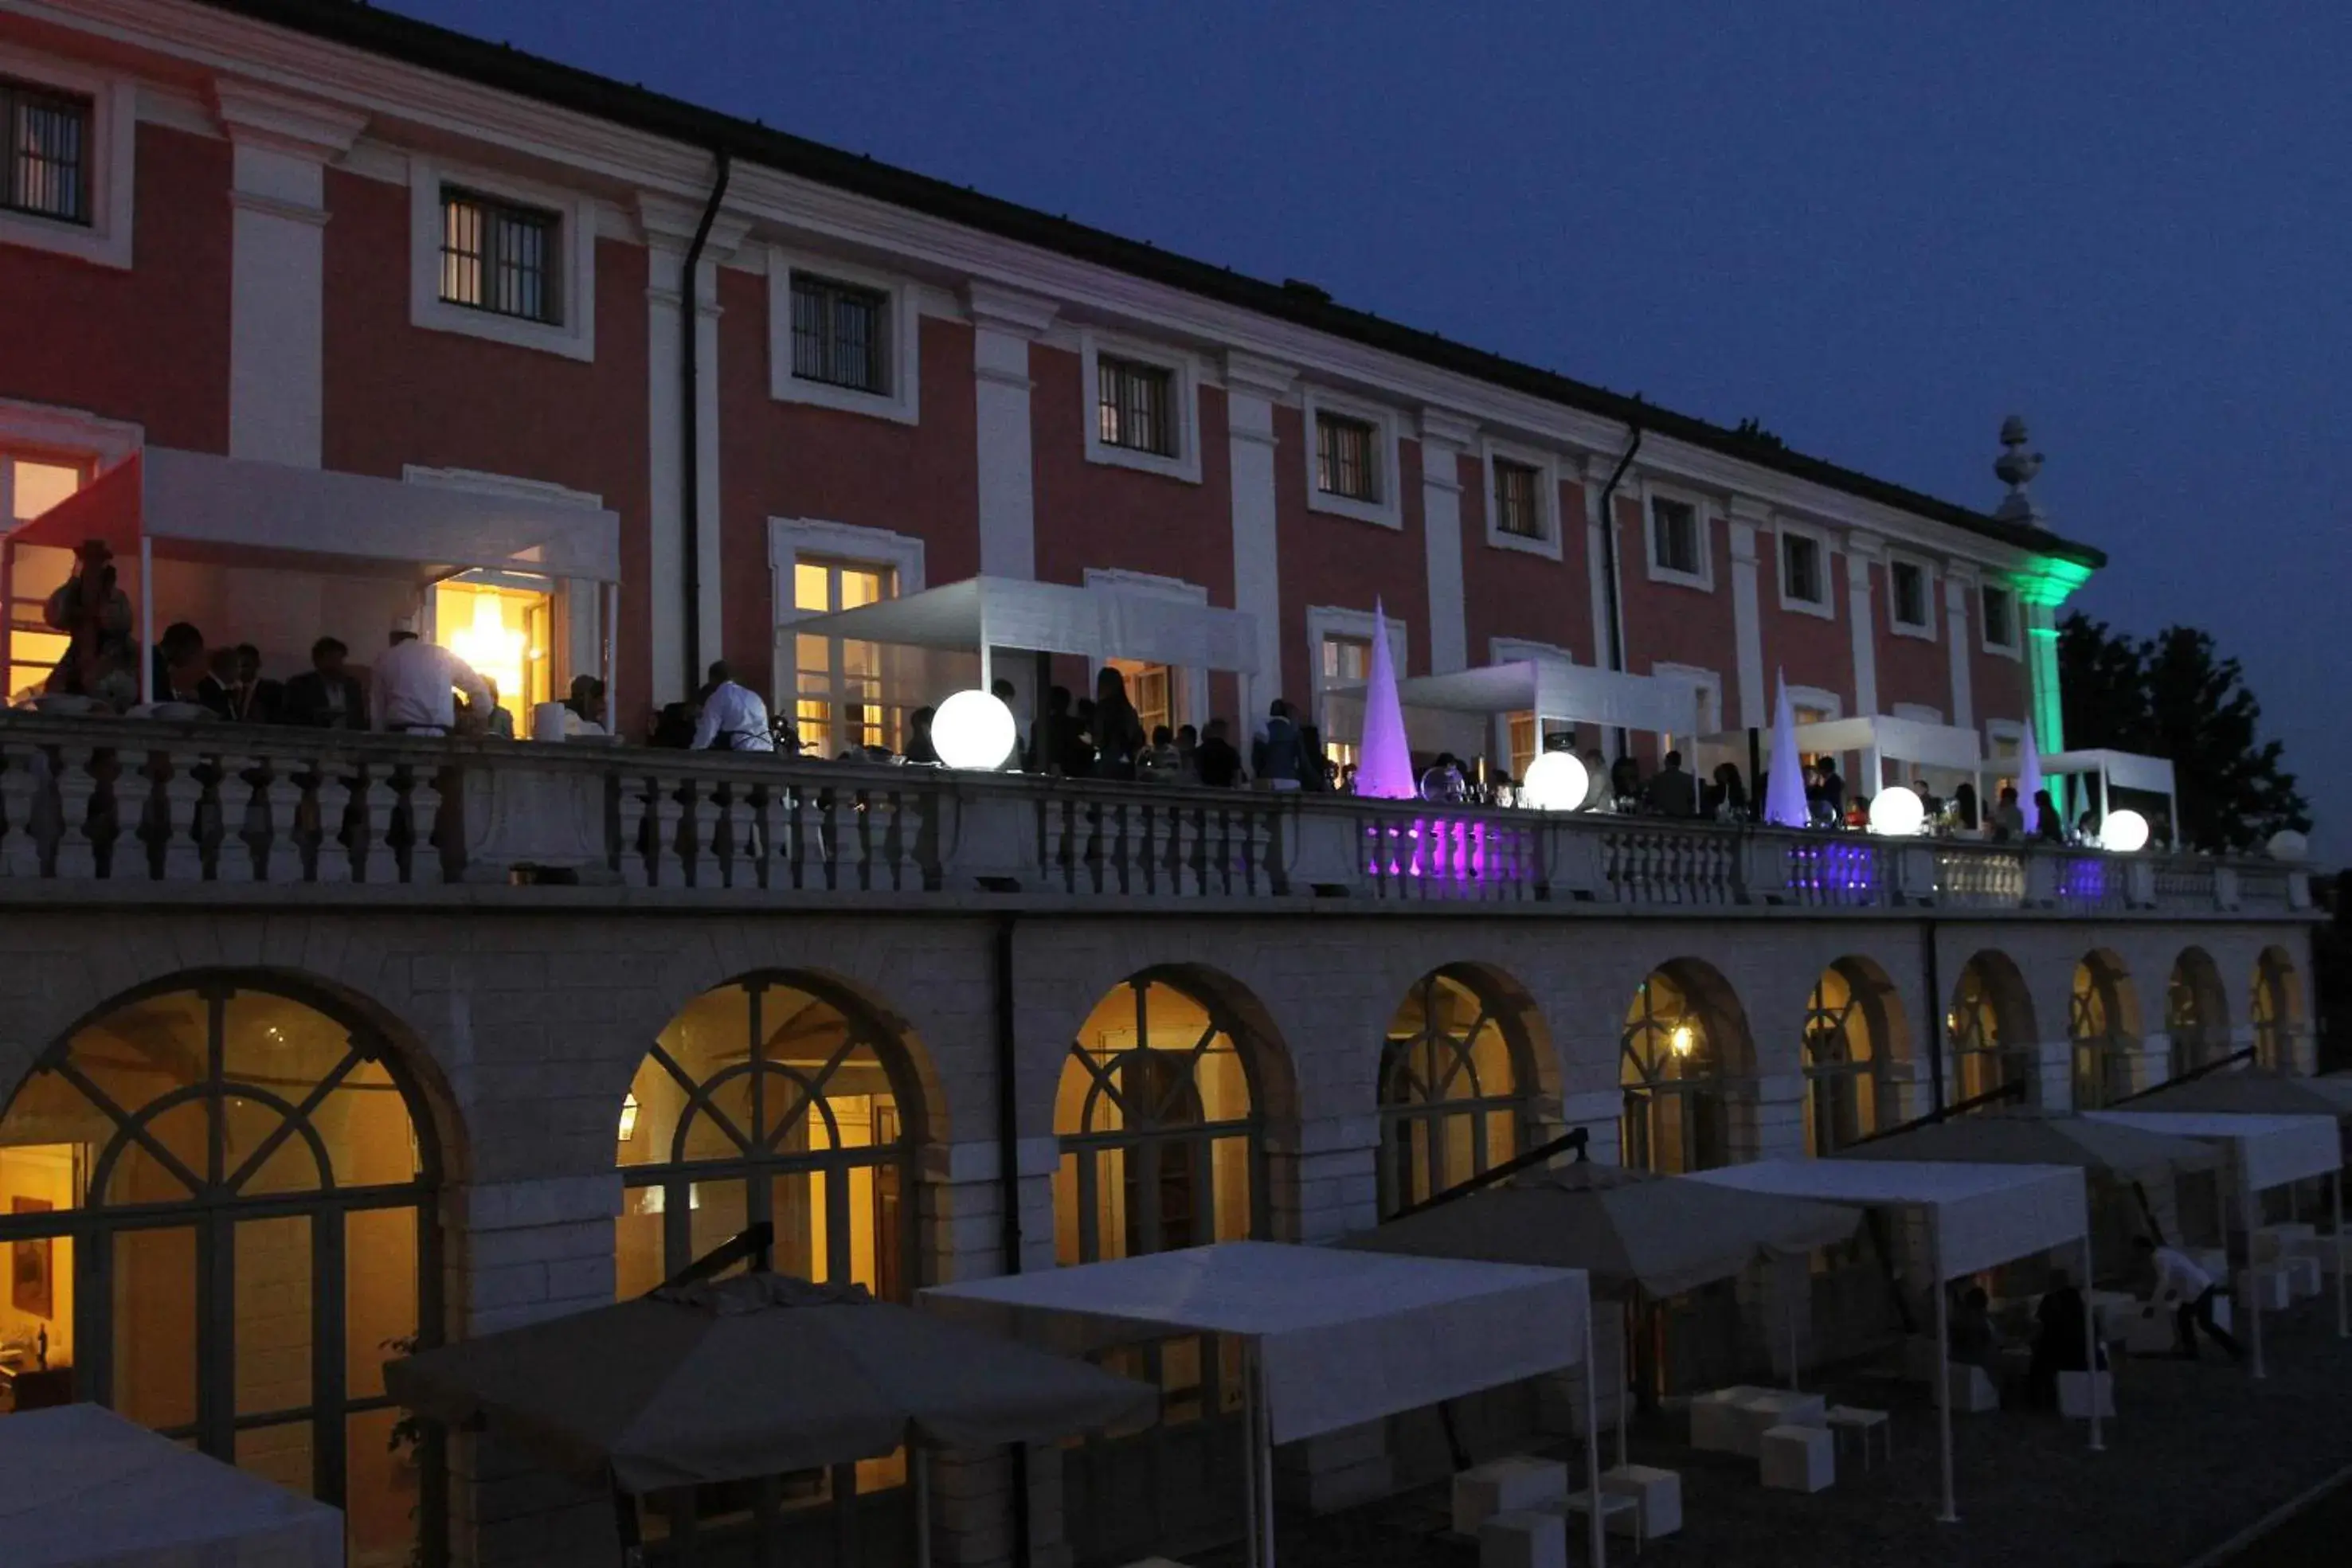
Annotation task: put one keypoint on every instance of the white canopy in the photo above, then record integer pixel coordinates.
(2120, 770)
(1558, 692)
(85, 1487)
(1096, 622)
(1879, 737)
(2272, 1151)
(1983, 1215)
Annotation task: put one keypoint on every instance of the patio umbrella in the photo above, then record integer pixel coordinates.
(2034, 1137)
(2251, 1092)
(1784, 794)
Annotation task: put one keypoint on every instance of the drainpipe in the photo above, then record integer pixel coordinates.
(1008, 1166)
(690, 422)
(1609, 567)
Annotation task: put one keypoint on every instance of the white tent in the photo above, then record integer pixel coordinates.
(1976, 1216)
(1878, 738)
(85, 1487)
(1331, 1338)
(2266, 1152)
(2119, 770)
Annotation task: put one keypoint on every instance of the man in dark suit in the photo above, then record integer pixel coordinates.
(251, 699)
(327, 695)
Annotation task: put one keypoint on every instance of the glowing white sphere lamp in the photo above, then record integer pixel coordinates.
(973, 729)
(2286, 845)
(1896, 812)
(2125, 832)
(1556, 781)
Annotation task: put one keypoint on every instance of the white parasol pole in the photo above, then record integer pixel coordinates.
(1789, 1311)
(1596, 1539)
(1249, 1458)
(2343, 1320)
(2091, 1343)
(919, 1460)
(1629, 1319)
(1264, 1450)
(1951, 1513)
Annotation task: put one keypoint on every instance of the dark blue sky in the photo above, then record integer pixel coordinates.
(1877, 228)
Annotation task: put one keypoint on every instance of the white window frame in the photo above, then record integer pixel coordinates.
(790, 538)
(1828, 704)
(1999, 730)
(1919, 713)
(112, 164)
(574, 337)
(1702, 523)
(904, 402)
(1924, 631)
(1189, 693)
(1547, 467)
(1825, 607)
(1705, 680)
(1339, 621)
(2015, 647)
(1184, 405)
(1388, 512)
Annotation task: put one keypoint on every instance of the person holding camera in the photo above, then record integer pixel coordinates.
(95, 615)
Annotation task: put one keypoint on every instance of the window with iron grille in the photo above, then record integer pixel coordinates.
(841, 334)
(1346, 461)
(1801, 568)
(1908, 584)
(502, 257)
(45, 136)
(1518, 502)
(1674, 536)
(1132, 405)
(2000, 618)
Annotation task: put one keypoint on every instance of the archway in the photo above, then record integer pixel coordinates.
(1685, 1039)
(2196, 1011)
(1457, 1081)
(218, 1199)
(1854, 1031)
(2103, 1022)
(1991, 1029)
(2275, 1009)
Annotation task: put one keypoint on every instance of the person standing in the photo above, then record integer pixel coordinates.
(95, 616)
(327, 695)
(2180, 1280)
(1673, 793)
(920, 746)
(1219, 763)
(733, 716)
(1118, 730)
(1278, 758)
(416, 683)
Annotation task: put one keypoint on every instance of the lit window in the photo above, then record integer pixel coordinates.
(1133, 406)
(1801, 568)
(840, 335)
(2000, 618)
(1674, 536)
(46, 138)
(1453, 1089)
(501, 257)
(839, 704)
(1908, 582)
(1518, 509)
(1344, 662)
(1346, 458)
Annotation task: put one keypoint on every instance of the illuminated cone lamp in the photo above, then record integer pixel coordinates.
(1784, 799)
(1384, 760)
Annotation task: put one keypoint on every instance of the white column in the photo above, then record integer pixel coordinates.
(1004, 323)
(1747, 517)
(1960, 640)
(277, 367)
(1444, 437)
(1252, 387)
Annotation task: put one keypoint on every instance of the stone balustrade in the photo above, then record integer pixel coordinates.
(142, 803)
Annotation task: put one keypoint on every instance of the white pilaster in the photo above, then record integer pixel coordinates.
(1959, 638)
(1253, 386)
(1444, 436)
(281, 145)
(1004, 322)
(1745, 517)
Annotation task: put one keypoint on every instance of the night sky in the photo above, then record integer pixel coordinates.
(1878, 228)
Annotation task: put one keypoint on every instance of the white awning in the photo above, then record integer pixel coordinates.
(1557, 691)
(1895, 739)
(1982, 1215)
(1344, 1337)
(2121, 769)
(84, 1486)
(1098, 621)
(2272, 1150)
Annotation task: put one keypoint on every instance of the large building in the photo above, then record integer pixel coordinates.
(280, 1094)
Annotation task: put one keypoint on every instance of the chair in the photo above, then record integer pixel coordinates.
(1511, 1485)
(1798, 1458)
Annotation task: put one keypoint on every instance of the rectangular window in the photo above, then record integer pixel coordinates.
(1346, 461)
(45, 136)
(840, 703)
(2000, 618)
(1344, 661)
(1801, 568)
(1674, 536)
(502, 257)
(1133, 405)
(841, 334)
(1907, 584)
(1519, 508)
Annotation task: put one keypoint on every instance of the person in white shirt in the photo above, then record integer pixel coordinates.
(2179, 1280)
(415, 683)
(733, 718)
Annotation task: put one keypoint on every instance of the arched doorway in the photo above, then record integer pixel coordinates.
(2103, 1022)
(1685, 1036)
(218, 1204)
(2275, 1009)
(787, 1098)
(1457, 1073)
(2196, 1012)
(1852, 1031)
(1990, 1030)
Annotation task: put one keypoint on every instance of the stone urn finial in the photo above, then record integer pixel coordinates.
(2016, 467)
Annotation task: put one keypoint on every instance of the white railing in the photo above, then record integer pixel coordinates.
(124, 801)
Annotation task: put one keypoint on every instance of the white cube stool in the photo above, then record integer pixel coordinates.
(2302, 1276)
(2151, 1331)
(1863, 1424)
(1716, 1424)
(1972, 1392)
(2265, 1286)
(1798, 1458)
(1511, 1485)
(1523, 1538)
(1765, 1409)
(2076, 1392)
(1657, 1495)
(1620, 1514)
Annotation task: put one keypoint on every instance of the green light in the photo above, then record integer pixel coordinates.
(2049, 579)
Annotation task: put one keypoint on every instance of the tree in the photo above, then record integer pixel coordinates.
(2173, 695)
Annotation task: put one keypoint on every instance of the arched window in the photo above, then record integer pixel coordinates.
(1990, 1030)
(1848, 1040)
(2196, 1012)
(2274, 1011)
(1672, 1066)
(2102, 1020)
(1157, 1115)
(217, 1207)
(1454, 1078)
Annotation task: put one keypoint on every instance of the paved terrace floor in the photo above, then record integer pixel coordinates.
(2199, 1453)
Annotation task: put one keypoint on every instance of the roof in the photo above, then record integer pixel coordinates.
(509, 69)
(1983, 1215)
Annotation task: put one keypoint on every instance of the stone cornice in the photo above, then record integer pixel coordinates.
(253, 115)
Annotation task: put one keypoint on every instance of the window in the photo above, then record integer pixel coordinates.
(1677, 548)
(839, 702)
(1454, 1087)
(1132, 406)
(1800, 570)
(46, 138)
(1990, 1030)
(29, 486)
(841, 335)
(1340, 660)
(1347, 458)
(501, 257)
(1518, 500)
(2101, 1017)
(1907, 582)
(1676, 1118)
(1846, 1099)
(2000, 618)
